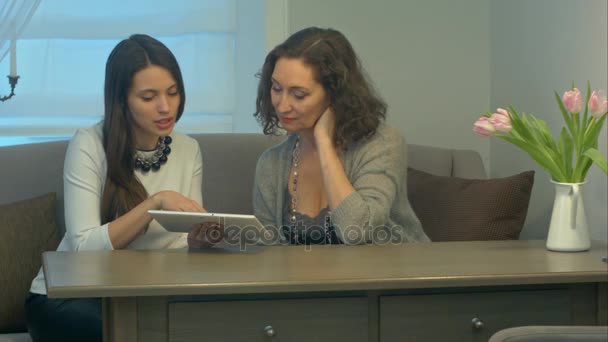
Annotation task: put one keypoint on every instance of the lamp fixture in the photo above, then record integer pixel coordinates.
(12, 81)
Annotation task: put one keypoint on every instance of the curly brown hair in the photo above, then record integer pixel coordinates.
(356, 105)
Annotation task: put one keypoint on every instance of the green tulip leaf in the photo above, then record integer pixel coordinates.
(598, 159)
(566, 148)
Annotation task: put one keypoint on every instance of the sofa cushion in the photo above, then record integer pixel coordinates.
(27, 228)
(458, 209)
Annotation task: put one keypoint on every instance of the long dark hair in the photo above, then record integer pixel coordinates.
(358, 108)
(122, 190)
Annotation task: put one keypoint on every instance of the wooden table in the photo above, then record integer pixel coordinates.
(428, 292)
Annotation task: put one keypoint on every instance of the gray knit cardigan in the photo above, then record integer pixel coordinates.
(377, 212)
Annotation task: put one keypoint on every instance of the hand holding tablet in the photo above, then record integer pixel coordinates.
(205, 235)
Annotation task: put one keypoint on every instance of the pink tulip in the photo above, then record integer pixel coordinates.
(598, 104)
(503, 112)
(501, 120)
(573, 101)
(483, 127)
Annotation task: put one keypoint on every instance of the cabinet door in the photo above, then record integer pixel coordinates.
(332, 319)
(469, 316)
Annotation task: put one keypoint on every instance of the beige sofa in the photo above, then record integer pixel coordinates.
(28, 171)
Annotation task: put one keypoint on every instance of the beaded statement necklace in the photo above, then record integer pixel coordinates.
(159, 157)
(294, 198)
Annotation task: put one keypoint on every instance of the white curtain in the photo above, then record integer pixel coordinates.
(14, 16)
(63, 50)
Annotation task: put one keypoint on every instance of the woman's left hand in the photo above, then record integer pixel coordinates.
(325, 127)
(205, 235)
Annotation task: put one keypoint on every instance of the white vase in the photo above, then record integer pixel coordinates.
(568, 230)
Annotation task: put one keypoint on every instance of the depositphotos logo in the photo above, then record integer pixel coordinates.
(244, 236)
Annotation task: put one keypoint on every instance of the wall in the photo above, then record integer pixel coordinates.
(250, 52)
(537, 47)
(428, 58)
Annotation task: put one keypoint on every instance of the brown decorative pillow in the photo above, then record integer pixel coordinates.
(458, 209)
(27, 228)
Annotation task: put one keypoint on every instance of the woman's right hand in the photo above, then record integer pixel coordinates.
(325, 127)
(174, 201)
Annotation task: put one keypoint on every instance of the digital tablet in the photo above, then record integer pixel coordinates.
(181, 221)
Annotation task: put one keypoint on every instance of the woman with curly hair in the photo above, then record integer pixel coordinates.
(340, 176)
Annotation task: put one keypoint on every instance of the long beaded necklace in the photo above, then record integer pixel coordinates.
(158, 158)
(295, 159)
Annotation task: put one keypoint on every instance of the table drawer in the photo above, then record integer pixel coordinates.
(328, 319)
(469, 316)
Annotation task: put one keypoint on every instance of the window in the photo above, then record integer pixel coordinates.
(62, 53)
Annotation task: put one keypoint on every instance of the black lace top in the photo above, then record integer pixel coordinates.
(308, 230)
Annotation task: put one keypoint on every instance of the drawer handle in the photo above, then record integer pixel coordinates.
(269, 331)
(477, 323)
